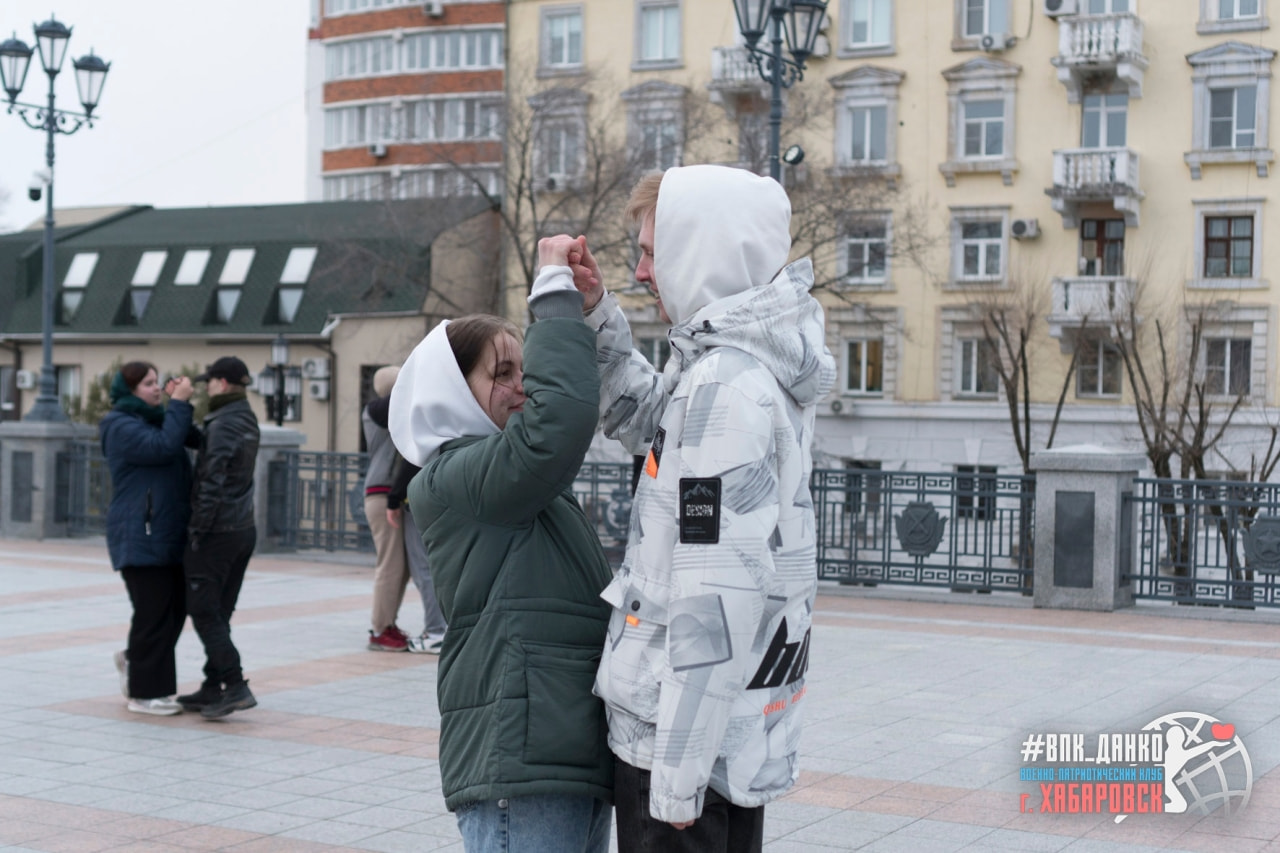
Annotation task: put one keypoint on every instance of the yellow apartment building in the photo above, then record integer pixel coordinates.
(1097, 173)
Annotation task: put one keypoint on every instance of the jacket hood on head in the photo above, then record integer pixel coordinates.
(717, 231)
(431, 402)
(778, 323)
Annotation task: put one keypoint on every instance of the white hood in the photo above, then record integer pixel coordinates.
(431, 402)
(743, 225)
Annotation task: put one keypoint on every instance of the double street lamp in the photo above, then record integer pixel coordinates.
(91, 74)
(802, 22)
(279, 382)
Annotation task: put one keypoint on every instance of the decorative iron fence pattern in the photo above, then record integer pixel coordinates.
(84, 489)
(962, 531)
(1205, 541)
(316, 500)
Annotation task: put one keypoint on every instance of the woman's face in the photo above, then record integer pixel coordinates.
(497, 381)
(148, 390)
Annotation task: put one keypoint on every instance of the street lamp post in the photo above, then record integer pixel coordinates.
(91, 74)
(802, 22)
(279, 358)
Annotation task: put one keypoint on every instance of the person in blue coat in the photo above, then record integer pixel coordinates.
(145, 447)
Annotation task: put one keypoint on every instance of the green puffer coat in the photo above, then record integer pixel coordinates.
(518, 571)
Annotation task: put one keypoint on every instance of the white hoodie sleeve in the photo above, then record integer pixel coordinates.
(632, 396)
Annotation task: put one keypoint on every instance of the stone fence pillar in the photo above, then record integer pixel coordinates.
(1083, 544)
(272, 444)
(29, 483)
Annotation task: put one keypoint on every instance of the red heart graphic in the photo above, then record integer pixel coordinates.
(1223, 731)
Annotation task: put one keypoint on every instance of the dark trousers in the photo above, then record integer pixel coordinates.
(214, 573)
(159, 610)
(722, 828)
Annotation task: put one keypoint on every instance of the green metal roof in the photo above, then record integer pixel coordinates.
(372, 257)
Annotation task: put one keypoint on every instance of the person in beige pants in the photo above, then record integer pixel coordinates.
(391, 575)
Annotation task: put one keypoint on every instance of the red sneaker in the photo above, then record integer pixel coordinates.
(387, 641)
(394, 630)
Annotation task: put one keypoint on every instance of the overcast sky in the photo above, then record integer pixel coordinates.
(205, 104)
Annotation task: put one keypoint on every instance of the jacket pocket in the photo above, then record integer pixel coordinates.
(565, 721)
(635, 662)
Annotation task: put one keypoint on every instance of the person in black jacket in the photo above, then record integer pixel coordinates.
(221, 536)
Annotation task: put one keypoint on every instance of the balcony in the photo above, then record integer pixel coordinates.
(1084, 175)
(1089, 45)
(1092, 302)
(733, 73)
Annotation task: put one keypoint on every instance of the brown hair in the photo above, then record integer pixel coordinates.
(644, 200)
(136, 371)
(468, 336)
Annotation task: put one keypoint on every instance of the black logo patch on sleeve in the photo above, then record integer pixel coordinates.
(659, 439)
(700, 510)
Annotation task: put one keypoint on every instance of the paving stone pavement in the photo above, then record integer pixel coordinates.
(918, 706)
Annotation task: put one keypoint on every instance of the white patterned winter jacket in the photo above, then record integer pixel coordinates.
(703, 670)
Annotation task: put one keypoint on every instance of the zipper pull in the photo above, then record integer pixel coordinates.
(148, 526)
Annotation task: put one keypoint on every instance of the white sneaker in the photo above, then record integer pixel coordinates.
(427, 644)
(122, 667)
(164, 706)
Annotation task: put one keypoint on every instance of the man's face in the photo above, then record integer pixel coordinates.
(217, 385)
(644, 267)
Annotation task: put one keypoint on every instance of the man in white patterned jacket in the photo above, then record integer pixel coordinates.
(703, 670)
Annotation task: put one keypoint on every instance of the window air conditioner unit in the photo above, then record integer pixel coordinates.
(318, 389)
(996, 42)
(1025, 229)
(1058, 8)
(434, 8)
(26, 379)
(315, 368)
(378, 149)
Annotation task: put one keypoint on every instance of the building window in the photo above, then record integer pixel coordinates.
(656, 350)
(981, 249)
(978, 374)
(8, 393)
(192, 268)
(297, 268)
(980, 17)
(451, 50)
(147, 272)
(1228, 247)
(866, 251)
(1104, 7)
(983, 128)
(1098, 368)
(1102, 247)
(236, 267)
(981, 97)
(1230, 107)
(1105, 121)
(439, 182)
(1227, 366)
(1225, 16)
(74, 283)
(658, 33)
(560, 117)
(976, 493)
(867, 120)
(866, 24)
(67, 377)
(864, 367)
(561, 38)
(867, 142)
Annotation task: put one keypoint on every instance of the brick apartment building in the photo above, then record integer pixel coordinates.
(407, 98)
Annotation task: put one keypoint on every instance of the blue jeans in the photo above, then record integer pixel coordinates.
(537, 823)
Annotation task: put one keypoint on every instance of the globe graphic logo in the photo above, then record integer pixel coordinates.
(1218, 773)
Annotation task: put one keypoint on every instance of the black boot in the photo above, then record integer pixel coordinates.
(208, 693)
(235, 697)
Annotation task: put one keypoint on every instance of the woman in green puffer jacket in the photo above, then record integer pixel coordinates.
(500, 434)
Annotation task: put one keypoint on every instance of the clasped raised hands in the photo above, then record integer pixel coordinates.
(563, 250)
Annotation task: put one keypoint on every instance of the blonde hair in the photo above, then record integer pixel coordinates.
(384, 378)
(644, 200)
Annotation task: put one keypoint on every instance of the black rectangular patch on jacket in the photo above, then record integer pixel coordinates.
(700, 510)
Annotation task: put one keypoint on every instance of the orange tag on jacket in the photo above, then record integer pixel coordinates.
(633, 621)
